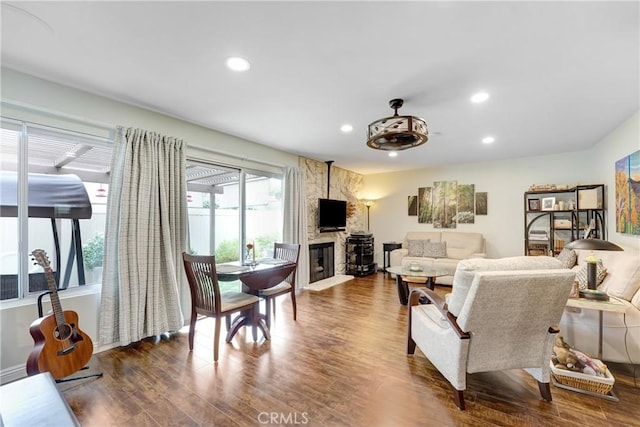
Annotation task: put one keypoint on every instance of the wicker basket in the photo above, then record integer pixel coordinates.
(601, 385)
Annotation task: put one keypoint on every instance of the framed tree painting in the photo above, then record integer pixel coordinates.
(412, 206)
(445, 204)
(425, 205)
(481, 203)
(465, 204)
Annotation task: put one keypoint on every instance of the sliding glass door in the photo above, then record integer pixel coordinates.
(229, 208)
(263, 211)
(213, 203)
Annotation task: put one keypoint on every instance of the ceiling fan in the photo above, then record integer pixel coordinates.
(397, 132)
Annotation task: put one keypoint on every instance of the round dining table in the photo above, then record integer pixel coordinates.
(262, 274)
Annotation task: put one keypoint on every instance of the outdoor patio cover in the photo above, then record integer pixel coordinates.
(50, 196)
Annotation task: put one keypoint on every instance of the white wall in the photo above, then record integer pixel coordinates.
(505, 181)
(28, 98)
(22, 89)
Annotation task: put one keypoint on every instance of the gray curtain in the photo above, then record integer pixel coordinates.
(295, 221)
(145, 235)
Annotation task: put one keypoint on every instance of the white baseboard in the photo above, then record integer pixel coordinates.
(12, 374)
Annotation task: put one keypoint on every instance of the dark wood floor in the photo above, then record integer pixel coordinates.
(343, 363)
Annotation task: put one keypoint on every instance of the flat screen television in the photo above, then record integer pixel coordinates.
(332, 214)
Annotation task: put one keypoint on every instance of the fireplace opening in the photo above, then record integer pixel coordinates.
(321, 261)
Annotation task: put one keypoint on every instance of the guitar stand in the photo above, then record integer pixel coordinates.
(64, 380)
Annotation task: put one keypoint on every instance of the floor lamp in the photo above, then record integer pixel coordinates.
(368, 204)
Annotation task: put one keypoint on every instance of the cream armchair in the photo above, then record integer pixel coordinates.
(501, 314)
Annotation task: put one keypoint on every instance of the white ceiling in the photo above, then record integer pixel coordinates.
(561, 75)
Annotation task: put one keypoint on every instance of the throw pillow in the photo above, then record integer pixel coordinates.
(416, 247)
(435, 250)
(568, 258)
(581, 275)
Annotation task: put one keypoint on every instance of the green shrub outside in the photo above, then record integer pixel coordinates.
(93, 251)
(227, 250)
(264, 244)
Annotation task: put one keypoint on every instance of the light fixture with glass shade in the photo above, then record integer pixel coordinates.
(397, 132)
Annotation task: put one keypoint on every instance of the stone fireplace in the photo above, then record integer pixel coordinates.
(323, 180)
(321, 261)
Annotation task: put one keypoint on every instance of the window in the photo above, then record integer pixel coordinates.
(64, 177)
(227, 206)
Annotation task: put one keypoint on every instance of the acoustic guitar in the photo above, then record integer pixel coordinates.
(61, 348)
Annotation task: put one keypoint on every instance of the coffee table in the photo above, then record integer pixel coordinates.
(404, 276)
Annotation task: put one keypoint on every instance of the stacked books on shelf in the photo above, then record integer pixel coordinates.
(558, 245)
(536, 249)
(538, 235)
(538, 241)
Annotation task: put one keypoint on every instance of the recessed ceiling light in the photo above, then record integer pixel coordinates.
(488, 140)
(393, 154)
(236, 63)
(480, 97)
(346, 128)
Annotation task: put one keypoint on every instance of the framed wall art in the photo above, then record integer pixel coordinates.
(481, 203)
(465, 204)
(627, 179)
(425, 205)
(412, 205)
(445, 204)
(548, 203)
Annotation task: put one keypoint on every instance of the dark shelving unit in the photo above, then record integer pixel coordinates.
(574, 209)
(359, 255)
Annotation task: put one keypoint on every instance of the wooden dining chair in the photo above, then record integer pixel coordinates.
(206, 299)
(288, 252)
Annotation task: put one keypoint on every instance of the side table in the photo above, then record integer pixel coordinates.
(386, 253)
(612, 305)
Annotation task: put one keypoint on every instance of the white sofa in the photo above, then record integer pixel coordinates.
(621, 331)
(459, 246)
